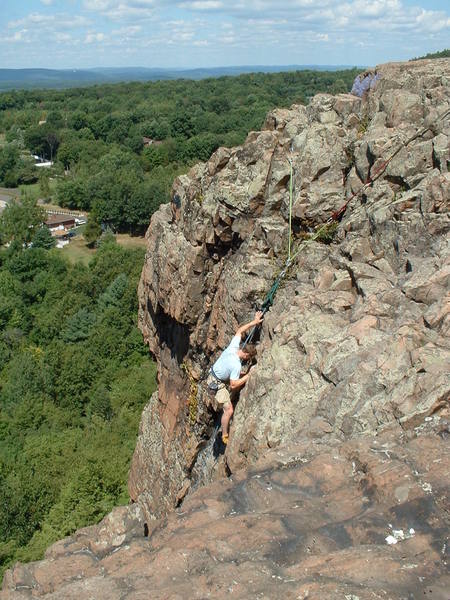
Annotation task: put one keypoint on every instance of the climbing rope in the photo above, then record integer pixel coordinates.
(290, 208)
(335, 217)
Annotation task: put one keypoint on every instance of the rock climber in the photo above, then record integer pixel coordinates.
(228, 370)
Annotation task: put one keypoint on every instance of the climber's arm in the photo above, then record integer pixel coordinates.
(244, 328)
(236, 384)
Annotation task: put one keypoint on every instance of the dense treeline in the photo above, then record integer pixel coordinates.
(74, 376)
(442, 54)
(96, 135)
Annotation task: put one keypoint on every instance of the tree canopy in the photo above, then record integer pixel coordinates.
(74, 376)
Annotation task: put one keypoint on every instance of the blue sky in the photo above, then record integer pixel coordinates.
(205, 33)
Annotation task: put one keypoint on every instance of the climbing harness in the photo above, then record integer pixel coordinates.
(215, 382)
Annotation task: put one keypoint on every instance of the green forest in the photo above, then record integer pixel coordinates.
(98, 137)
(74, 372)
(74, 377)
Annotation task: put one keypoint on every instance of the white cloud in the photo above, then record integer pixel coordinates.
(106, 5)
(127, 10)
(248, 31)
(44, 30)
(94, 37)
(427, 19)
(127, 31)
(33, 18)
(142, 4)
(202, 5)
(64, 38)
(98, 5)
(330, 15)
(18, 36)
(58, 21)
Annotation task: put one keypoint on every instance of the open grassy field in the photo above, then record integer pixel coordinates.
(33, 188)
(77, 251)
(129, 241)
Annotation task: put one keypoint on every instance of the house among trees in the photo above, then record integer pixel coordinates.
(59, 226)
(151, 142)
(60, 223)
(62, 237)
(41, 162)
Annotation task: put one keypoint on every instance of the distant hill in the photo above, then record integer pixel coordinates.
(52, 78)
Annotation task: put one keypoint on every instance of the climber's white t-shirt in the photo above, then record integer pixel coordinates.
(228, 365)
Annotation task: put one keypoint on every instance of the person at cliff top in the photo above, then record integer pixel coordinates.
(228, 369)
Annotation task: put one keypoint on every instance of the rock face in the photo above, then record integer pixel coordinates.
(357, 338)
(338, 450)
(322, 520)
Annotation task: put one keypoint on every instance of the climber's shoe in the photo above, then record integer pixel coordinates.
(225, 438)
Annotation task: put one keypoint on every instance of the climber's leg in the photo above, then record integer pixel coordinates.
(226, 416)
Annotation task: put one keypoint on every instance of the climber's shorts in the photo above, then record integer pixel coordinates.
(222, 395)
